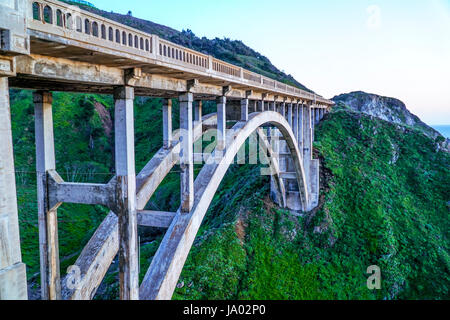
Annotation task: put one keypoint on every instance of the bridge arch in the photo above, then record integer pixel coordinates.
(163, 274)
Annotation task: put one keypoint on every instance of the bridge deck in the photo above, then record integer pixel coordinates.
(56, 30)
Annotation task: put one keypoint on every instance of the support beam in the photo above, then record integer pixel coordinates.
(300, 126)
(221, 122)
(244, 110)
(283, 109)
(187, 152)
(48, 219)
(156, 219)
(295, 120)
(261, 106)
(13, 280)
(80, 193)
(167, 123)
(126, 194)
(307, 139)
(198, 111)
(272, 106)
(290, 113)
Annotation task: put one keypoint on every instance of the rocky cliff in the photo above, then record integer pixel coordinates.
(388, 109)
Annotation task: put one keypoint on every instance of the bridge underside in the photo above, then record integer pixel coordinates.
(56, 56)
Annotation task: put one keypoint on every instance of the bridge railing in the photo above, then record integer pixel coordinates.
(58, 18)
(177, 54)
(52, 17)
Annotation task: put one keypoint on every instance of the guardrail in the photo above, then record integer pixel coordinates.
(58, 18)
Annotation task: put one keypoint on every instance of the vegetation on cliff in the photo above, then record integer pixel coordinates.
(384, 202)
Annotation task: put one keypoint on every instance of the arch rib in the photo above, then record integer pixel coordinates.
(163, 274)
(99, 252)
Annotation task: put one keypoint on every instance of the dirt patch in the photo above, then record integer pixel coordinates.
(105, 117)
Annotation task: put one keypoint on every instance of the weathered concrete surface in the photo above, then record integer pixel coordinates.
(47, 216)
(157, 219)
(13, 281)
(81, 193)
(162, 276)
(126, 193)
(13, 27)
(186, 152)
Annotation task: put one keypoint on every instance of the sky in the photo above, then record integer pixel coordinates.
(398, 48)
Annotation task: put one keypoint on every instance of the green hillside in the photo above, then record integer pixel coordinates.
(384, 202)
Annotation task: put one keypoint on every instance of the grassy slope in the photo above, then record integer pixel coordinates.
(385, 204)
(393, 215)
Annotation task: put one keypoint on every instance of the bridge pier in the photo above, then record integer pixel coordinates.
(221, 122)
(198, 112)
(187, 151)
(126, 193)
(244, 109)
(47, 215)
(167, 123)
(13, 280)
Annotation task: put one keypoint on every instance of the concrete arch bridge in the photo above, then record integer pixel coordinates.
(50, 46)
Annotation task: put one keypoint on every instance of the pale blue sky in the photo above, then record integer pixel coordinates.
(395, 48)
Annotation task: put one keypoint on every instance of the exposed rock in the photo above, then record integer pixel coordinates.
(391, 110)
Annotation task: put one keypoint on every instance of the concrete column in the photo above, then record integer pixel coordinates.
(307, 139)
(47, 217)
(221, 122)
(244, 110)
(254, 106)
(126, 193)
(317, 115)
(198, 111)
(300, 126)
(272, 106)
(13, 280)
(167, 123)
(283, 109)
(313, 122)
(187, 152)
(295, 120)
(290, 113)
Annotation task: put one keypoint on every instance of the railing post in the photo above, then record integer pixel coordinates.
(210, 63)
(187, 153)
(155, 45)
(221, 122)
(126, 193)
(13, 280)
(167, 123)
(47, 217)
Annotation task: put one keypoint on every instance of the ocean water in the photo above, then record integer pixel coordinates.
(444, 130)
